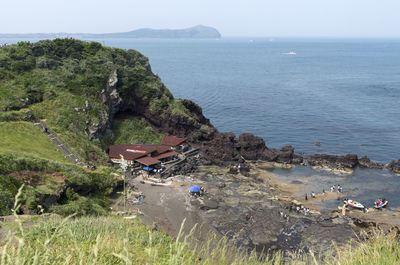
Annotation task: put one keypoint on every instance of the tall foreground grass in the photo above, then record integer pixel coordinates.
(114, 240)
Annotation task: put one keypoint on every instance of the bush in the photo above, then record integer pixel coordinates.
(8, 189)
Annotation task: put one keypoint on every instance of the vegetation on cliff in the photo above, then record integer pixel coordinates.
(75, 88)
(52, 182)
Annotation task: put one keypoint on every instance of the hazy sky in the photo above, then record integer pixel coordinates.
(346, 18)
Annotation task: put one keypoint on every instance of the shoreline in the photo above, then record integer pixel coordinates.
(231, 199)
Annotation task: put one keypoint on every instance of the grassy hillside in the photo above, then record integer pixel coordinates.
(24, 138)
(52, 182)
(62, 82)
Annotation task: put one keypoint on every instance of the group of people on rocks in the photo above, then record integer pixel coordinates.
(300, 209)
(332, 189)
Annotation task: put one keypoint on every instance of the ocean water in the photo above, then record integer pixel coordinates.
(344, 93)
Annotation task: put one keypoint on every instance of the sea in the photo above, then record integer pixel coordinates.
(343, 94)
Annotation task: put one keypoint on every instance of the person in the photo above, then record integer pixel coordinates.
(202, 191)
(339, 188)
(312, 194)
(306, 197)
(332, 189)
(323, 191)
(297, 209)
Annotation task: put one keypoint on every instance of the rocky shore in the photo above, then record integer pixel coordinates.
(253, 211)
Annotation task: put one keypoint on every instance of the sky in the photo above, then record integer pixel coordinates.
(250, 18)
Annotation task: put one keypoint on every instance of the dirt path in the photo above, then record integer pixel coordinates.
(167, 206)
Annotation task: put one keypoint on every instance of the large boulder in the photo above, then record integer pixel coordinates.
(394, 166)
(366, 162)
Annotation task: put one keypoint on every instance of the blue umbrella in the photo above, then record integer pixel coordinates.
(148, 168)
(194, 189)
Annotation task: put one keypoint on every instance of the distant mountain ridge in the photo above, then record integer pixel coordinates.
(196, 32)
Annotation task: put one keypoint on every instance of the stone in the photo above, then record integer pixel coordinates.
(332, 161)
(394, 166)
(209, 204)
(366, 162)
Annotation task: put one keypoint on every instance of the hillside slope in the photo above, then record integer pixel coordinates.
(76, 88)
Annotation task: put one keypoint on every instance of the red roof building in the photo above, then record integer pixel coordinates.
(144, 154)
(148, 161)
(166, 155)
(173, 141)
(128, 151)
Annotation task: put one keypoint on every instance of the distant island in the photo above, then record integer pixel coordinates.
(196, 32)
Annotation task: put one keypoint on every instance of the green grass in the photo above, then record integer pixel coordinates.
(114, 240)
(24, 138)
(134, 130)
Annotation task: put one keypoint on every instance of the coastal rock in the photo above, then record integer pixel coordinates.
(285, 155)
(394, 166)
(332, 161)
(366, 162)
(251, 146)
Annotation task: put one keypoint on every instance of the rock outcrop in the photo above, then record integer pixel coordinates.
(366, 162)
(349, 161)
(111, 101)
(394, 166)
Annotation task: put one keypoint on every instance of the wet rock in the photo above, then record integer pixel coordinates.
(334, 162)
(394, 166)
(366, 162)
(297, 159)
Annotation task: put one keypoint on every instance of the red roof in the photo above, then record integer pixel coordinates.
(169, 154)
(172, 140)
(148, 161)
(130, 151)
(161, 149)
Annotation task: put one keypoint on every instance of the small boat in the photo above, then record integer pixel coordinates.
(380, 203)
(354, 204)
(290, 53)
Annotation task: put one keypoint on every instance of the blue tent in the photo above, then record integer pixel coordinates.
(148, 168)
(194, 188)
